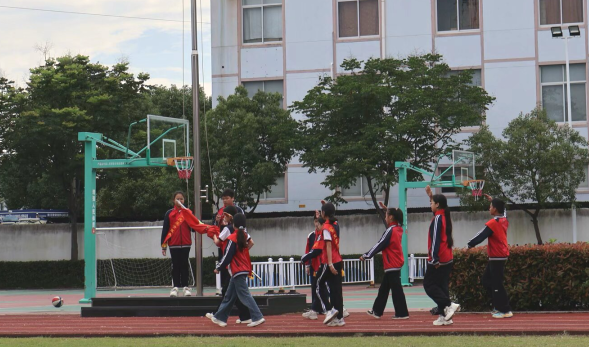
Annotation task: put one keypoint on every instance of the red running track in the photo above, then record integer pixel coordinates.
(420, 323)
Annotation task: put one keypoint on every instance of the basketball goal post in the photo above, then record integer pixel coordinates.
(167, 145)
(451, 171)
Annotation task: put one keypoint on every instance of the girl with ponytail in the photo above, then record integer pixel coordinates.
(237, 260)
(440, 259)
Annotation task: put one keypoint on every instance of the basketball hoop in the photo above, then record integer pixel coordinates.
(184, 165)
(476, 186)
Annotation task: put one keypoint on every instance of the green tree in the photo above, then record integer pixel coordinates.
(537, 162)
(383, 111)
(43, 162)
(251, 141)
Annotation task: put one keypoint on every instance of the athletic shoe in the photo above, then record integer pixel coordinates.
(442, 321)
(247, 321)
(330, 315)
(434, 311)
(336, 323)
(399, 317)
(218, 322)
(346, 313)
(450, 310)
(256, 323)
(210, 315)
(503, 315)
(310, 314)
(372, 314)
(187, 291)
(494, 311)
(174, 292)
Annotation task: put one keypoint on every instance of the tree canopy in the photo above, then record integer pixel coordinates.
(382, 111)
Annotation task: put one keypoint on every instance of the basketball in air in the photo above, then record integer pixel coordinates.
(57, 301)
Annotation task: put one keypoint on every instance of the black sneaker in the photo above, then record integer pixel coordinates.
(434, 311)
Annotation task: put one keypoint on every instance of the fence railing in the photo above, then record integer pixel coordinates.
(290, 273)
(417, 266)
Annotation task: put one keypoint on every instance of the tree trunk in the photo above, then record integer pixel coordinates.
(536, 227)
(380, 212)
(251, 212)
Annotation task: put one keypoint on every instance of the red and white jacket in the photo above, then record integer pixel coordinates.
(178, 223)
(237, 261)
(438, 251)
(329, 233)
(496, 231)
(391, 246)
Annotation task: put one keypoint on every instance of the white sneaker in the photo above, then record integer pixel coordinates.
(336, 323)
(256, 323)
(372, 314)
(312, 315)
(174, 292)
(247, 321)
(450, 310)
(187, 291)
(330, 315)
(218, 322)
(442, 321)
(399, 317)
(346, 313)
(210, 315)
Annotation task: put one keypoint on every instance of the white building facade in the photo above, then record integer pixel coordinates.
(285, 45)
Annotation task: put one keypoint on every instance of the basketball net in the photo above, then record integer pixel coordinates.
(184, 166)
(477, 188)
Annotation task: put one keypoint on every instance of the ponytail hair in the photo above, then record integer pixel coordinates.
(239, 226)
(329, 211)
(443, 205)
(397, 214)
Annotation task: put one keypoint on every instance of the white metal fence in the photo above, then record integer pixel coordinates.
(417, 266)
(290, 274)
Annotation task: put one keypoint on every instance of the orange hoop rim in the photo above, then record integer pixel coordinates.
(172, 161)
(467, 183)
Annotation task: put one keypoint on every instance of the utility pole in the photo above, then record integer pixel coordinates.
(196, 139)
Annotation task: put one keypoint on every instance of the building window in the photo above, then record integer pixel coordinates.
(265, 86)
(360, 189)
(358, 18)
(561, 11)
(554, 92)
(458, 15)
(476, 76)
(585, 183)
(277, 191)
(262, 21)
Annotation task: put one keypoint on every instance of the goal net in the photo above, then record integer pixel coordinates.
(131, 258)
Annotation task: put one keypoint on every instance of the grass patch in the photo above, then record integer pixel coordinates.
(407, 341)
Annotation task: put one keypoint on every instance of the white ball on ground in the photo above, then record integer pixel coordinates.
(57, 301)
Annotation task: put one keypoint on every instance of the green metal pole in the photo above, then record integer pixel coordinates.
(89, 221)
(403, 207)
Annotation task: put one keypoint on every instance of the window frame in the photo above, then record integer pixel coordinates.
(362, 195)
(358, 37)
(563, 84)
(262, 5)
(544, 26)
(458, 31)
(265, 200)
(264, 86)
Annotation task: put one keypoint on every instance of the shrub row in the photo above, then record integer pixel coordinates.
(537, 278)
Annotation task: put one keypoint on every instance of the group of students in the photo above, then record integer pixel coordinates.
(230, 234)
(324, 264)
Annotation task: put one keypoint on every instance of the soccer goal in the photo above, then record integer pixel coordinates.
(131, 258)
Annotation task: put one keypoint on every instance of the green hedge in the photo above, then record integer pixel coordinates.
(70, 274)
(547, 277)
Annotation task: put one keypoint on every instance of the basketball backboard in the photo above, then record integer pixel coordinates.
(167, 137)
(464, 163)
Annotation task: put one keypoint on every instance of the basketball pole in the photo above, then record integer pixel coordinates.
(196, 139)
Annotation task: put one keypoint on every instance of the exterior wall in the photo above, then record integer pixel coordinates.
(279, 236)
(509, 48)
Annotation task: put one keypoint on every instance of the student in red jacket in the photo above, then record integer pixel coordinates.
(237, 259)
(495, 231)
(440, 259)
(178, 223)
(330, 271)
(312, 263)
(393, 259)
